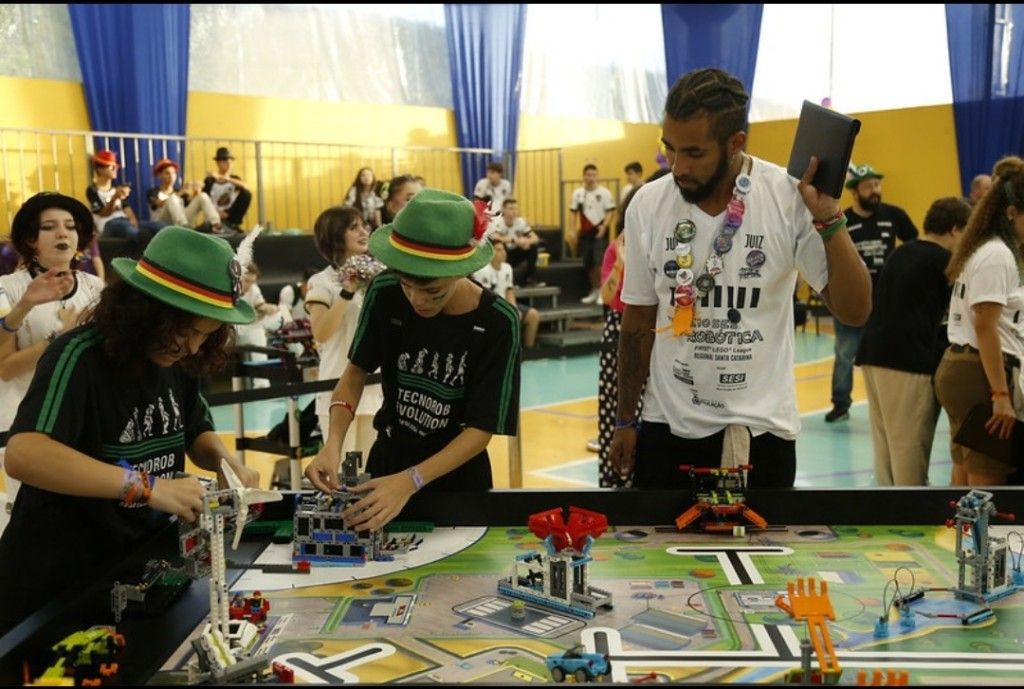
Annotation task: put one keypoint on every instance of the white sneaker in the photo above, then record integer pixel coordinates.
(591, 298)
(600, 301)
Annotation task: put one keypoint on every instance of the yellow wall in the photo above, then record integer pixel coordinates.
(914, 148)
(42, 104)
(29, 162)
(609, 144)
(301, 180)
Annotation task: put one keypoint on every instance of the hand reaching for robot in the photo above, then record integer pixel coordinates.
(180, 496)
(382, 501)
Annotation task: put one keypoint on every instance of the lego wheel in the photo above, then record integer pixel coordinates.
(558, 674)
(581, 676)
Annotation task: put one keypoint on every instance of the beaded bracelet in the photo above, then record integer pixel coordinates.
(833, 228)
(3, 324)
(137, 488)
(342, 403)
(822, 224)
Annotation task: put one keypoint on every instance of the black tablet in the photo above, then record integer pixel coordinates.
(829, 136)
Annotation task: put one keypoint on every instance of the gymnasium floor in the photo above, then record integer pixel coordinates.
(559, 415)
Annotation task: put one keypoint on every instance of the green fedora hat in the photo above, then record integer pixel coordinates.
(437, 235)
(191, 271)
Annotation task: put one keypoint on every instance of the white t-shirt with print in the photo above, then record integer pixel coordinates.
(990, 275)
(496, 280)
(500, 228)
(325, 288)
(105, 196)
(594, 203)
(496, 193)
(725, 373)
(40, 322)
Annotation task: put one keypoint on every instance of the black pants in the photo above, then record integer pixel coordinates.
(391, 455)
(238, 209)
(517, 256)
(659, 454)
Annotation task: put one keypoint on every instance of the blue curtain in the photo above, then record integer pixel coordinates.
(722, 36)
(134, 62)
(988, 86)
(485, 50)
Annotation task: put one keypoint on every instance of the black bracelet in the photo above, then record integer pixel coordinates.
(345, 294)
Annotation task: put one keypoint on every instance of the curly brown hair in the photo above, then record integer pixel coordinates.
(133, 324)
(989, 219)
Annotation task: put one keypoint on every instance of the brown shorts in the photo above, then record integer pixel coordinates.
(961, 385)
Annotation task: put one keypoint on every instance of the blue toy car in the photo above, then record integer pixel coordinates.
(585, 667)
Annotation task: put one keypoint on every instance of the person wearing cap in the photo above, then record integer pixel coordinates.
(43, 298)
(111, 212)
(180, 206)
(112, 410)
(874, 228)
(227, 190)
(448, 352)
(712, 260)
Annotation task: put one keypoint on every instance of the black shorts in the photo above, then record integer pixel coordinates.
(390, 456)
(659, 454)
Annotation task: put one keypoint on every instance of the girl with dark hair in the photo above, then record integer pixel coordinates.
(110, 414)
(43, 298)
(363, 196)
(986, 328)
(334, 297)
(400, 191)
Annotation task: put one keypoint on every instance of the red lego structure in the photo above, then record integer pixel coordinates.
(720, 506)
(253, 608)
(568, 535)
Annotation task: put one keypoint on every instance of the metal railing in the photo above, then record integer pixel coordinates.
(291, 182)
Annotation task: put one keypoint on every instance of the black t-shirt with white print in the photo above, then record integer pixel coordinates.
(875, 237)
(440, 374)
(83, 399)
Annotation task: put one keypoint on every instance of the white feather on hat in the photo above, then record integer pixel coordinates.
(244, 251)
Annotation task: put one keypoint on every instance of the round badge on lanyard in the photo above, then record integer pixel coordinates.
(685, 231)
(705, 283)
(743, 184)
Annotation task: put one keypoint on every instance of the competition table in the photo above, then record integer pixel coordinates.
(687, 607)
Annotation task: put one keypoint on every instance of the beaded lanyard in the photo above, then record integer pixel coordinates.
(687, 288)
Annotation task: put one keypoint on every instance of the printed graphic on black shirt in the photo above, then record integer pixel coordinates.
(427, 388)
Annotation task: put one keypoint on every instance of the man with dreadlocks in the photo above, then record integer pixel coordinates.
(709, 278)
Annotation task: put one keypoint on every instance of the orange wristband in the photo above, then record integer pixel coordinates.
(1000, 393)
(342, 403)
